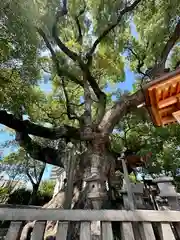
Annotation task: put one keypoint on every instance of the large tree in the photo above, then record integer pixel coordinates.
(83, 46)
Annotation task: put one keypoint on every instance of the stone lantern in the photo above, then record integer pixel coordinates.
(97, 192)
(96, 182)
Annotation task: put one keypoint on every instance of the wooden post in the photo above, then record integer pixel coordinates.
(70, 177)
(129, 189)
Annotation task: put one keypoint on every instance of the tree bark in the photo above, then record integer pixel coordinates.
(32, 200)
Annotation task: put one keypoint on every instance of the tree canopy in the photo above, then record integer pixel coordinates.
(83, 48)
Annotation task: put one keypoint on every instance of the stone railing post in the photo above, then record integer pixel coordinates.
(167, 190)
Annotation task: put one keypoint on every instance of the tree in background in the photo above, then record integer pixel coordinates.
(20, 166)
(83, 46)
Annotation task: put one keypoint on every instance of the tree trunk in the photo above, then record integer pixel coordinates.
(93, 167)
(35, 185)
(32, 200)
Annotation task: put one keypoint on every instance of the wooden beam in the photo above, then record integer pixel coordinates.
(38, 231)
(128, 184)
(156, 116)
(164, 80)
(168, 119)
(106, 229)
(168, 101)
(14, 231)
(147, 231)
(176, 115)
(168, 110)
(89, 215)
(62, 230)
(85, 231)
(127, 231)
(166, 232)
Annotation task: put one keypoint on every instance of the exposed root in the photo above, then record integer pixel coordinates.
(27, 230)
(56, 202)
(51, 227)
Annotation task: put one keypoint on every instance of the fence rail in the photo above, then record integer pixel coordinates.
(88, 215)
(167, 223)
(4, 205)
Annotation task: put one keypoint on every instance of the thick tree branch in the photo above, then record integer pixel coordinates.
(84, 67)
(43, 154)
(74, 56)
(60, 71)
(111, 27)
(70, 113)
(170, 43)
(41, 174)
(30, 178)
(112, 116)
(140, 61)
(123, 106)
(101, 96)
(28, 127)
(159, 66)
(63, 47)
(35, 172)
(88, 105)
(80, 36)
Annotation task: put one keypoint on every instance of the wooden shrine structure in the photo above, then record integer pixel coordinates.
(163, 99)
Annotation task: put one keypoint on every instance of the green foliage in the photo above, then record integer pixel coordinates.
(24, 60)
(21, 43)
(47, 187)
(132, 178)
(21, 197)
(154, 21)
(3, 191)
(161, 144)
